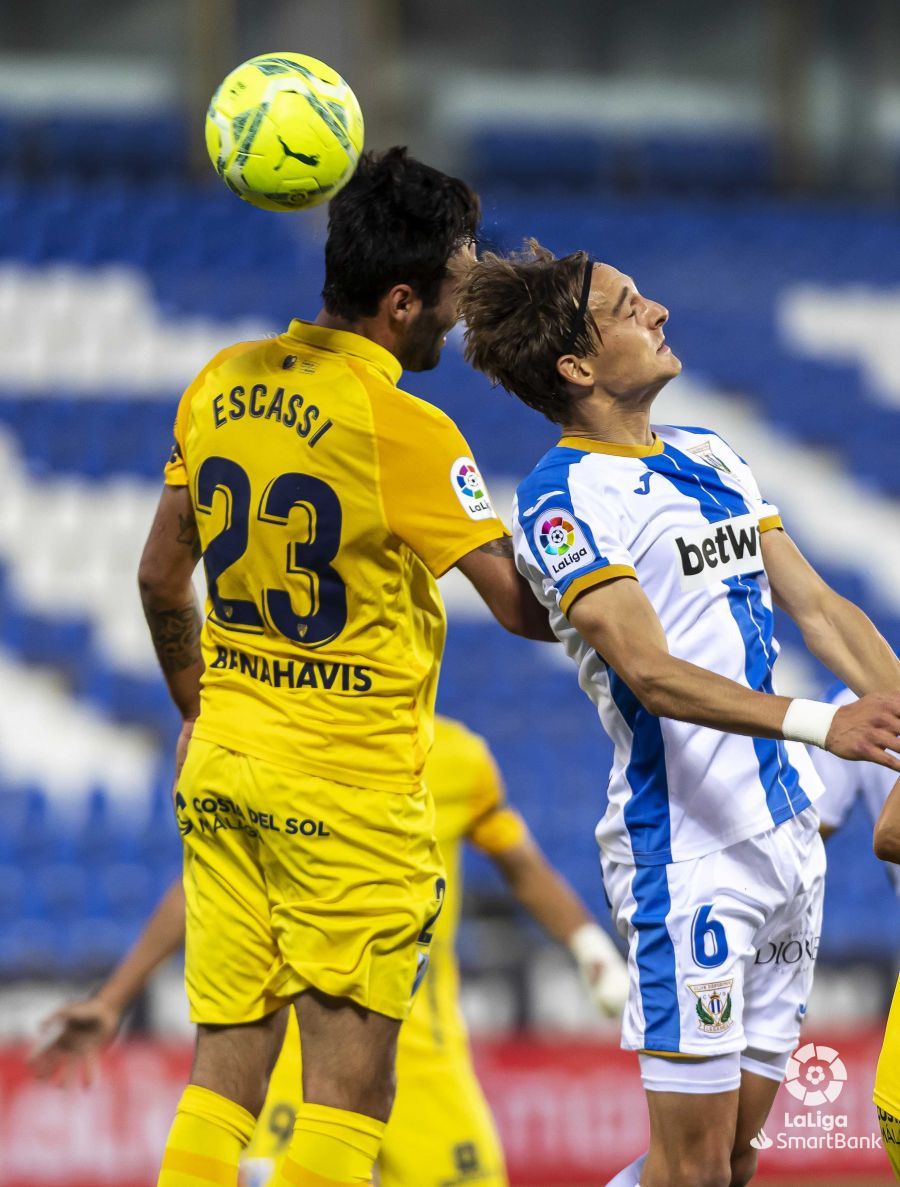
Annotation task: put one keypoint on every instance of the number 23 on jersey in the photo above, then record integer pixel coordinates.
(307, 600)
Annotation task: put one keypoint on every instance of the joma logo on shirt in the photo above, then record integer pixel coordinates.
(721, 550)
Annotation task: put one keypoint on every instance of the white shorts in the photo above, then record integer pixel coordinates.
(721, 949)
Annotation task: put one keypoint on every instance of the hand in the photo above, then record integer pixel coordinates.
(74, 1037)
(867, 730)
(603, 970)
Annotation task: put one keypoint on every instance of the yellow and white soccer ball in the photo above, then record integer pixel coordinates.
(284, 131)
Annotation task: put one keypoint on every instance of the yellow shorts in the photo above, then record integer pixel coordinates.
(887, 1084)
(441, 1132)
(890, 1139)
(294, 882)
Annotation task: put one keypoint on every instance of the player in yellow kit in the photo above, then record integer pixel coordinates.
(325, 502)
(887, 1075)
(441, 1131)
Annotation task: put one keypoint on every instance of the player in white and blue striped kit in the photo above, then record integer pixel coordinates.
(658, 560)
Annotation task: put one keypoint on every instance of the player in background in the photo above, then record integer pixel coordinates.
(325, 503)
(845, 784)
(658, 561)
(440, 1130)
(886, 844)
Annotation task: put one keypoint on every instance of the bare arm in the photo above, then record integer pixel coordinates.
(167, 595)
(81, 1030)
(835, 631)
(553, 903)
(886, 841)
(492, 570)
(542, 891)
(617, 619)
(162, 935)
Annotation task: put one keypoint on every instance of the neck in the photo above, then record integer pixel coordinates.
(602, 418)
(372, 328)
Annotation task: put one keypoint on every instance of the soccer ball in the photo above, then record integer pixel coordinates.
(284, 131)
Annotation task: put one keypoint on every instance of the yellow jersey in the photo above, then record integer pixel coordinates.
(470, 805)
(327, 503)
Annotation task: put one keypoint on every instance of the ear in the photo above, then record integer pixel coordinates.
(400, 303)
(575, 370)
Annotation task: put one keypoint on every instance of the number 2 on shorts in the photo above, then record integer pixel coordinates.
(425, 935)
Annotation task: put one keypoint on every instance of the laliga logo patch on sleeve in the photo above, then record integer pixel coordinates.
(470, 489)
(561, 543)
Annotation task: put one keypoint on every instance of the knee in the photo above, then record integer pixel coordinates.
(743, 1167)
(371, 1094)
(376, 1098)
(709, 1170)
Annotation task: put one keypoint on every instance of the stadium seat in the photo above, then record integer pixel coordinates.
(542, 160)
(13, 893)
(62, 889)
(701, 164)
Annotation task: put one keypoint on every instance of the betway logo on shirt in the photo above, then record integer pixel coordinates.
(719, 550)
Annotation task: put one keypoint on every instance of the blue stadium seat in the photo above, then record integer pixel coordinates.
(29, 948)
(543, 160)
(128, 892)
(118, 147)
(91, 946)
(701, 163)
(106, 833)
(62, 890)
(28, 825)
(13, 894)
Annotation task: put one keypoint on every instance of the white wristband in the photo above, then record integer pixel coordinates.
(590, 942)
(603, 971)
(808, 721)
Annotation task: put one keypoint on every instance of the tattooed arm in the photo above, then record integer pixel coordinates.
(492, 570)
(167, 594)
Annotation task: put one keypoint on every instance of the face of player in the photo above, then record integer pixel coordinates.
(632, 356)
(426, 334)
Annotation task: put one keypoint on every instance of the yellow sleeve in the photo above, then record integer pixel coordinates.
(501, 829)
(175, 473)
(495, 826)
(434, 497)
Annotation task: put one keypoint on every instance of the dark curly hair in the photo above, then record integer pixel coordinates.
(519, 312)
(396, 221)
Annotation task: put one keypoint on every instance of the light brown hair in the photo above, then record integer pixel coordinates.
(519, 311)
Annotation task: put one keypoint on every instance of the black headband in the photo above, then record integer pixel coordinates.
(578, 321)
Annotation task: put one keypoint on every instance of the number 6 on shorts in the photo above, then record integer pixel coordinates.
(708, 939)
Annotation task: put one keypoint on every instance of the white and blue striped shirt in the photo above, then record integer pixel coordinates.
(685, 517)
